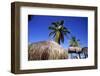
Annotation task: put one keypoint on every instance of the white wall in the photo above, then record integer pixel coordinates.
(5, 33)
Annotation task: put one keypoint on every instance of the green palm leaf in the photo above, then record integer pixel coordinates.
(74, 42)
(58, 31)
(52, 28)
(54, 24)
(61, 22)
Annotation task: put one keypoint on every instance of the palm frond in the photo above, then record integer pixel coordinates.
(58, 23)
(61, 22)
(62, 37)
(59, 31)
(55, 24)
(74, 41)
(51, 33)
(52, 28)
(65, 33)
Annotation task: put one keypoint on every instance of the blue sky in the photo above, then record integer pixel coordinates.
(38, 28)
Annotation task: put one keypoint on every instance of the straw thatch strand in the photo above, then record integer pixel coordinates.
(46, 50)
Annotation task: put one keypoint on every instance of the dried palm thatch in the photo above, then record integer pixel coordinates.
(75, 49)
(46, 50)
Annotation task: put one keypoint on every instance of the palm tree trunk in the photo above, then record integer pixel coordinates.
(57, 38)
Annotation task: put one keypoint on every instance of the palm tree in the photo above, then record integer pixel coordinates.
(74, 42)
(75, 46)
(58, 31)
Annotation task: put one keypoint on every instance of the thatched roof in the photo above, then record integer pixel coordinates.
(45, 50)
(76, 49)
